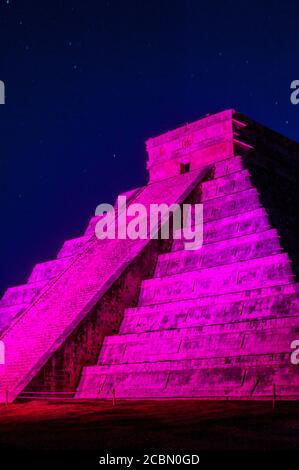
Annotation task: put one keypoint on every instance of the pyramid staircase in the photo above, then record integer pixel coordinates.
(16, 300)
(52, 308)
(212, 323)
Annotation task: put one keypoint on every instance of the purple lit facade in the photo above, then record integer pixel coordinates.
(148, 319)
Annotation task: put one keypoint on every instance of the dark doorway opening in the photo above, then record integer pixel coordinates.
(184, 168)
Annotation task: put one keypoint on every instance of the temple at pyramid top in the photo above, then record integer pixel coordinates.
(191, 146)
(208, 140)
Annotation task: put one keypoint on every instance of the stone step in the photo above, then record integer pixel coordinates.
(73, 246)
(220, 361)
(49, 269)
(90, 230)
(231, 227)
(224, 252)
(236, 277)
(189, 379)
(23, 294)
(217, 310)
(227, 166)
(234, 339)
(233, 204)
(130, 196)
(7, 314)
(228, 184)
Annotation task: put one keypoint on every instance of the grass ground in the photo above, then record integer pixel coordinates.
(149, 426)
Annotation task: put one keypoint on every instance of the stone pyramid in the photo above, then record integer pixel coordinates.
(149, 319)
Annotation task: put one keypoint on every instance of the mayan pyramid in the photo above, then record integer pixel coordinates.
(149, 319)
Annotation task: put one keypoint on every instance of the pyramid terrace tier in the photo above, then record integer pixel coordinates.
(228, 184)
(49, 269)
(234, 277)
(8, 314)
(233, 204)
(23, 294)
(251, 377)
(130, 197)
(233, 250)
(273, 302)
(73, 246)
(227, 166)
(245, 223)
(231, 339)
(90, 230)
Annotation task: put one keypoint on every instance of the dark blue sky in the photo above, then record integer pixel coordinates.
(87, 82)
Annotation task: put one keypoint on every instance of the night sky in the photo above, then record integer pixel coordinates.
(87, 82)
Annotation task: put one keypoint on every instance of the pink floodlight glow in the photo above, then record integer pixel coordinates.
(213, 323)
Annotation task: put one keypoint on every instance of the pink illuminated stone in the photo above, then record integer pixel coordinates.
(214, 323)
